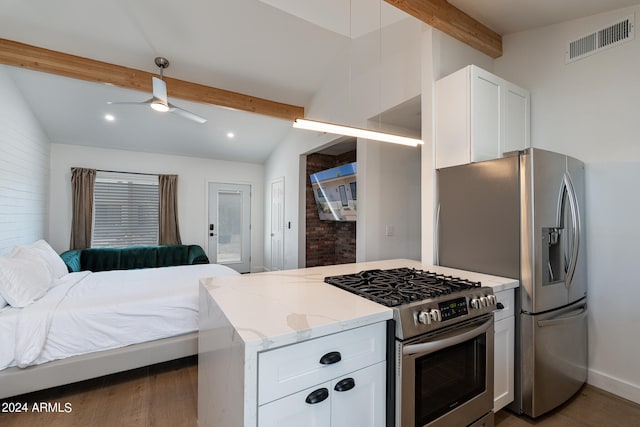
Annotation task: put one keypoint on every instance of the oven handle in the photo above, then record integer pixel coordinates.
(430, 347)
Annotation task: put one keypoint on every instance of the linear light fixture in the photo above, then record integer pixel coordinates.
(356, 132)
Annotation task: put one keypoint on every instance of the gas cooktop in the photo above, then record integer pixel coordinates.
(422, 301)
(399, 286)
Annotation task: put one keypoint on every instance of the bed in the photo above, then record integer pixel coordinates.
(91, 324)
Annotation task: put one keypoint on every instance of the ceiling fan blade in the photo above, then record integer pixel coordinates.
(186, 114)
(160, 97)
(159, 89)
(147, 102)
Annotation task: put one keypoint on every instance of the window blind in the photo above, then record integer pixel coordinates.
(125, 210)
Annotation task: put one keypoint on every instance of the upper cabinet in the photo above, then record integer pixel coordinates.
(479, 116)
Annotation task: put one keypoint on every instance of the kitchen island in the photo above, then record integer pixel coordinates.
(256, 331)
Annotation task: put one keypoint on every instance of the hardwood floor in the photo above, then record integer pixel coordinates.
(158, 395)
(590, 407)
(166, 395)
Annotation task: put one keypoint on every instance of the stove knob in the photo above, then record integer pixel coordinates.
(484, 301)
(475, 303)
(424, 318)
(492, 299)
(436, 315)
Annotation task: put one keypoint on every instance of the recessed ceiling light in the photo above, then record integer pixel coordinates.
(230, 135)
(109, 117)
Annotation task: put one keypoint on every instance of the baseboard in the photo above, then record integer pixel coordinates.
(613, 385)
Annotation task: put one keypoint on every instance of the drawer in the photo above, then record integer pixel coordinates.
(287, 370)
(507, 299)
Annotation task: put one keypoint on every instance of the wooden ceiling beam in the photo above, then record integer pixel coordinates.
(454, 22)
(49, 61)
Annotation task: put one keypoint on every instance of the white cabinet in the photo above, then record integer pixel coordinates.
(515, 122)
(504, 343)
(479, 116)
(355, 400)
(336, 380)
(363, 405)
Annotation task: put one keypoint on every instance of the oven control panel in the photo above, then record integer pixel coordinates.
(446, 310)
(428, 315)
(451, 309)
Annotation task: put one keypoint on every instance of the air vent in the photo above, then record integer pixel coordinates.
(604, 38)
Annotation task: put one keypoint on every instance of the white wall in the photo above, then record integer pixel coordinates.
(366, 80)
(24, 170)
(589, 109)
(389, 200)
(193, 176)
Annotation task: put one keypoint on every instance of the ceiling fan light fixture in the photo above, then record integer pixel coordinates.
(355, 132)
(160, 106)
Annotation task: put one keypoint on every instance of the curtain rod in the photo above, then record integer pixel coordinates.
(132, 173)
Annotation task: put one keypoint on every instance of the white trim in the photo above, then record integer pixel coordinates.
(614, 385)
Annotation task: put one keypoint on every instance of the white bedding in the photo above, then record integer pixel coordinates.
(86, 312)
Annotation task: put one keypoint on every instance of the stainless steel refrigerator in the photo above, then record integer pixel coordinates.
(523, 217)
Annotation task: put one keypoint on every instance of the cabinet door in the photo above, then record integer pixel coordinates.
(485, 115)
(503, 362)
(358, 399)
(311, 407)
(515, 118)
(452, 124)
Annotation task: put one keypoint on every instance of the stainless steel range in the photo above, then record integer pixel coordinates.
(443, 344)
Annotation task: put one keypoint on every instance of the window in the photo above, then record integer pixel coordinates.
(125, 210)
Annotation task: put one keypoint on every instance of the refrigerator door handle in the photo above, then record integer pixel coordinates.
(566, 317)
(576, 223)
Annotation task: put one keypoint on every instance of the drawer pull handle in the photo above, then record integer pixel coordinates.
(500, 306)
(331, 358)
(317, 396)
(345, 385)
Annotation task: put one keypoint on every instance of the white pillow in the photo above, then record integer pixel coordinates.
(23, 278)
(3, 303)
(51, 258)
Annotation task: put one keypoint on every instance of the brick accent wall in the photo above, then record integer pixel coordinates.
(327, 242)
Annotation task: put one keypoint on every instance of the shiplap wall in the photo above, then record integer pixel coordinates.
(24, 170)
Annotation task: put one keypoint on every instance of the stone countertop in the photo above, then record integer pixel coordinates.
(278, 308)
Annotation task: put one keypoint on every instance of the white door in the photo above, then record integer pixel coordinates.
(277, 224)
(230, 225)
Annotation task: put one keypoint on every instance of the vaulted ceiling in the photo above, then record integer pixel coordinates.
(277, 50)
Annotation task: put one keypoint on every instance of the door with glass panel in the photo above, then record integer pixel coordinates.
(229, 226)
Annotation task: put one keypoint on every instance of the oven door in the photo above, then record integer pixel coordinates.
(447, 376)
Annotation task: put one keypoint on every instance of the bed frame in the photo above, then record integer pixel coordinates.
(15, 381)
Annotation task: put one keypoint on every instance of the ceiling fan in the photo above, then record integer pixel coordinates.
(159, 100)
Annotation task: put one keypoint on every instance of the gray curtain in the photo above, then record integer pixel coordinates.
(169, 232)
(82, 183)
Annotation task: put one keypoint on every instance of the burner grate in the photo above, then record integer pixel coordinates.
(399, 286)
